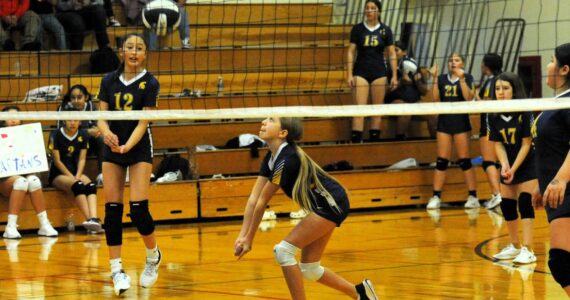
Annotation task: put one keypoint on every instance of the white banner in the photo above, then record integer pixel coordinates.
(22, 150)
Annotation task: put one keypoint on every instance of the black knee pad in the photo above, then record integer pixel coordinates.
(464, 164)
(559, 263)
(487, 163)
(441, 164)
(90, 189)
(78, 188)
(114, 224)
(525, 206)
(509, 209)
(141, 218)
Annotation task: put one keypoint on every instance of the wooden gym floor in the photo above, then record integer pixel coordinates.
(408, 254)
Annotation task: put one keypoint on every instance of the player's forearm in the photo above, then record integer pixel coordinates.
(465, 90)
(137, 134)
(564, 171)
(62, 168)
(523, 152)
(256, 217)
(501, 154)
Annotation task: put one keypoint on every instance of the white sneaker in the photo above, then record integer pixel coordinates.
(494, 201)
(150, 273)
(168, 177)
(92, 225)
(11, 232)
(112, 22)
(269, 215)
(472, 202)
(525, 257)
(186, 43)
(47, 230)
(509, 252)
(121, 282)
(301, 213)
(267, 225)
(365, 291)
(99, 179)
(434, 203)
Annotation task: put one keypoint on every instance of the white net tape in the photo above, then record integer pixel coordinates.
(428, 108)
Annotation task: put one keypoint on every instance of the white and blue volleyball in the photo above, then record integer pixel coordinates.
(161, 16)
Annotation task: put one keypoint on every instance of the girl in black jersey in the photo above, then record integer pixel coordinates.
(452, 87)
(287, 166)
(129, 145)
(490, 67)
(513, 143)
(16, 187)
(370, 42)
(551, 132)
(68, 146)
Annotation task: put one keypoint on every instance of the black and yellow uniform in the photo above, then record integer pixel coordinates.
(450, 91)
(485, 93)
(284, 170)
(140, 92)
(551, 132)
(69, 148)
(370, 44)
(510, 129)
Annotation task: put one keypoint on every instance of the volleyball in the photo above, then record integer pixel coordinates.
(409, 65)
(161, 16)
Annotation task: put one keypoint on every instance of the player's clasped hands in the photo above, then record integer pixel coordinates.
(241, 247)
(112, 141)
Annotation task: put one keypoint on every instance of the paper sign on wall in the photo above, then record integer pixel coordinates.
(22, 150)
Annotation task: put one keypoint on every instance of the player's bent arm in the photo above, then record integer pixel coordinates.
(523, 152)
(57, 162)
(81, 162)
(251, 202)
(139, 131)
(466, 91)
(269, 189)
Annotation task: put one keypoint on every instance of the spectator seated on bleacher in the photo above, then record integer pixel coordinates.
(46, 11)
(79, 16)
(15, 15)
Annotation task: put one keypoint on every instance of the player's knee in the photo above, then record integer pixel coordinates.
(78, 188)
(141, 218)
(20, 184)
(114, 223)
(525, 206)
(441, 164)
(559, 263)
(509, 209)
(486, 164)
(312, 271)
(465, 164)
(284, 253)
(34, 183)
(90, 189)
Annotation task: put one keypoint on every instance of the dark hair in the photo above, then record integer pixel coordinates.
(401, 45)
(516, 83)
(67, 97)
(562, 54)
(7, 108)
(378, 3)
(121, 68)
(494, 62)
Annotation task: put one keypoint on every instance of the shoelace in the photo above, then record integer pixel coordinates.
(150, 267)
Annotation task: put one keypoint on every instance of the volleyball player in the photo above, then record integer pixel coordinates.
(551, 137)
(490, 67)
(410, 89)
(69, 146)
(453, 87)
(129, 145)
(288, 167)
(513, 143)
(370, 42)
(16, 187)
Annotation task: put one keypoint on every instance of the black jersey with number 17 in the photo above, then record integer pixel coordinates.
(135, 94)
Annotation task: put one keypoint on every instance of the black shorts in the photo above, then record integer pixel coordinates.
(369, 73)
(453, 124)
(54, 172)
(405, 92)
(483, 132)
(526, 172)
(322, 208)
(136, 155)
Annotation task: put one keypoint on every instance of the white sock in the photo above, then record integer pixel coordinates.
(43, 218)
(12, 220)
(152, 253)
(116, 265)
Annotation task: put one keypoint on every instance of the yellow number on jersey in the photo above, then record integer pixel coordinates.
(450, 91)
(128, 101)
(511, 132)
(371, 41)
